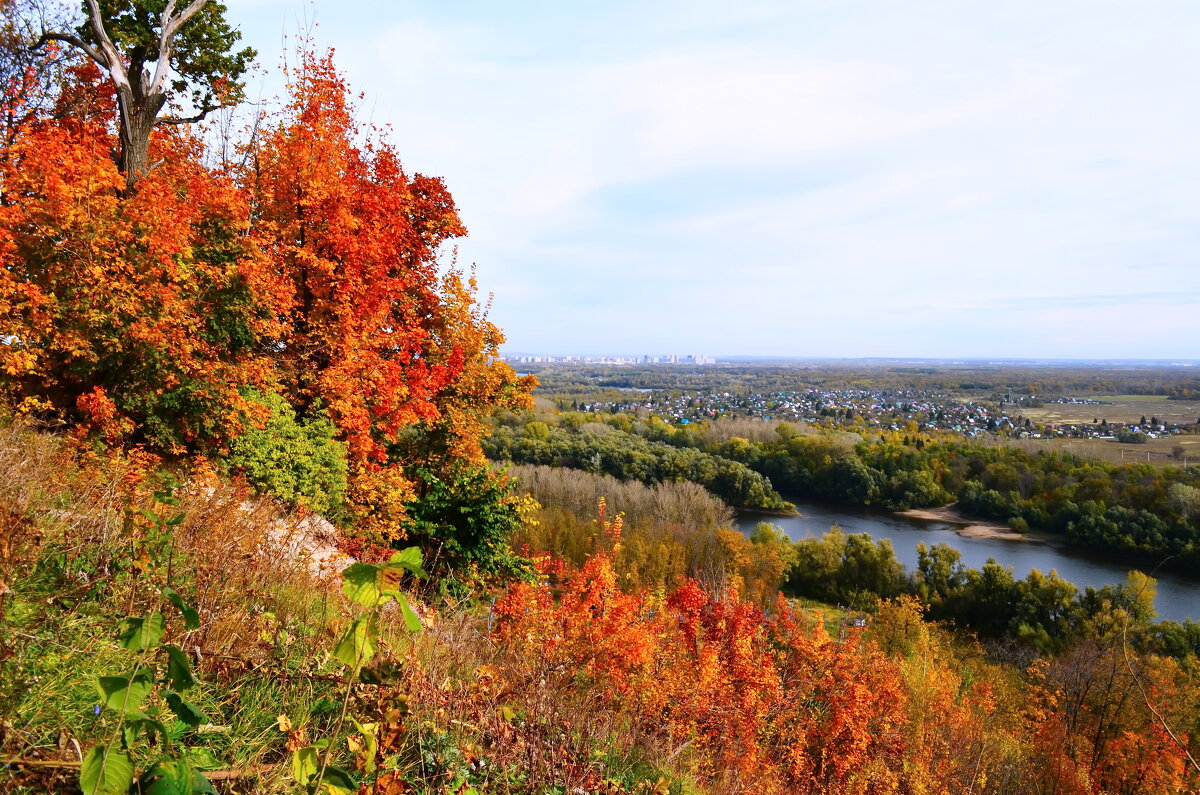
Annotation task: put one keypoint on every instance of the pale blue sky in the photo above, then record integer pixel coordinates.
(801, 178)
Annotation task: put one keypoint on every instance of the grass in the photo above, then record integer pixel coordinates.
(454, 711)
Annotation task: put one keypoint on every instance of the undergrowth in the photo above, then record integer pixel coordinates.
(84, 547)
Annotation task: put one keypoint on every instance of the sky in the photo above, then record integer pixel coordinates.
(811, 179)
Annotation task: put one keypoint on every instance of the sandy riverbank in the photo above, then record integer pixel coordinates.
(968, 528)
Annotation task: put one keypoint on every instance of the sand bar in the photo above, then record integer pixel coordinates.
(968, 528)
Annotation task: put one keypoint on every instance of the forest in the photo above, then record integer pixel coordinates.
(251, 541)
(1130, 508)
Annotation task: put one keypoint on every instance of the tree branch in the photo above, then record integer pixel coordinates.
(207, 109)
(187, 13)
(166, 34)
(164, 49)
(71, 39)
(112, 57)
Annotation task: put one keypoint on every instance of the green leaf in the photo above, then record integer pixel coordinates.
(370, 733)
(338, 782)
(357, 646)
(412, 622)
(124, 694)
(179, 672)
(305, 764)
(188, 713)
(360, 584)
(175, 778)
(105, 772)
(202, 758)
(410, 559)
(130, 729)
(141, 633)
(191, 619)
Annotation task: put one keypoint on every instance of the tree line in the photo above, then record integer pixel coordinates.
(1123, 508)
(600, 448)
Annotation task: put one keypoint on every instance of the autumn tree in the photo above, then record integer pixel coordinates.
(154, 53)
(394, 347)
(29, 79)
(142, 318)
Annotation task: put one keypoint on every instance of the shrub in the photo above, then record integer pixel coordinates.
(466, 518)
(297, 461)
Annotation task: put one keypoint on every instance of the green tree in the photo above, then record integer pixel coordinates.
(466, 519)
(155, 53)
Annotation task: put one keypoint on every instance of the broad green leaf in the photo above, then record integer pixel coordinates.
(305, 764)
(357, 646)
(188, 713)
(202, 759)
(124, 694)
(410, 559)
(338, 782)
(360, 584)
(191, 619)
(179, 672)
(412, 622)
(168, 778)
(130, 730)
(141, 633)
(175, 778)
(105, 772)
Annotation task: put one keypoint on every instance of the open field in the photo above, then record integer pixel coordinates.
(1118, 408)
(1159, 452)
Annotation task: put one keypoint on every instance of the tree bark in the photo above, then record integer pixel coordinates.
(137, 120)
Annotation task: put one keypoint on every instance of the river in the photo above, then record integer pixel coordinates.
(1178, 595)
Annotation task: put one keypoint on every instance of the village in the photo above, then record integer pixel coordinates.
(897, 410)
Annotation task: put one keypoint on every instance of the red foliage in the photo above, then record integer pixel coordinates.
(769, 702)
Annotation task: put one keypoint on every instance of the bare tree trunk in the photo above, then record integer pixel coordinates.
(137, 120)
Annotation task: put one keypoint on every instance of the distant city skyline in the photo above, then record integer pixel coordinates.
(800, 178)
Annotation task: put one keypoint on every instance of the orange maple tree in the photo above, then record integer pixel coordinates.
(137, 316)
(396, 351)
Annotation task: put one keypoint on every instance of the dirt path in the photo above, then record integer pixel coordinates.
(968, 528)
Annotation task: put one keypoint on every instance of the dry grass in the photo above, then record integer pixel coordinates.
(1157, 452)
(1118, 408)
(537, 726)
(70, 547)
(672, 503)
(269, 616)
(232, 544)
